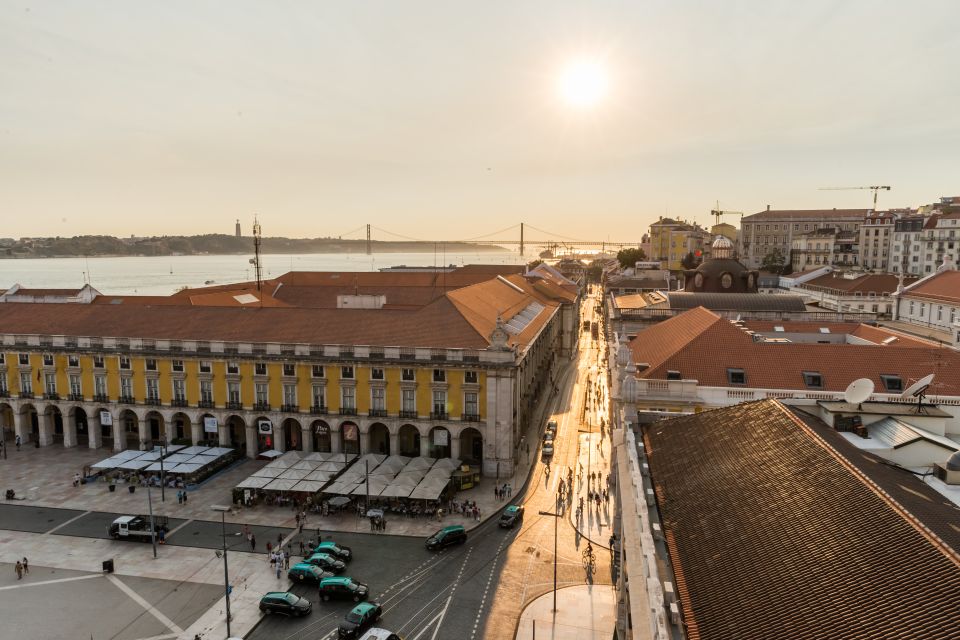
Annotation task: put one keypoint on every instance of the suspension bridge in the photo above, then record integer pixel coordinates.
(514, 235)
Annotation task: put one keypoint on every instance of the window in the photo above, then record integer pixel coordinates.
(439, 375)
(24, 358)
(471, 406)
(3, 358)
(72, 361)
(151, 365)
(346, 373)
(233, 392)
(48, 360)
(206, 391)
(260, 392)
(408, 400)
(205, 366)
(673, 375)
(98, 362)
(177, 366)
(3, 385)
(260, 368)
(289, 369)
(153, 389)
(348, 398)
(100, 385)
(439, 402)
(470, 377)
(124, 362)
(813, 380)
(736, 376)
(317, 371)
(892, 383)
(26, 383)
(75, 388)
(179, 390)
(126, 387)
(233, 368)
(407, 375)
(378, 401)
(319, 395)
(376, 374)
(50, 383)
(290, 395)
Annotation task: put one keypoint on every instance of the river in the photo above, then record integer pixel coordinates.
(164, 275)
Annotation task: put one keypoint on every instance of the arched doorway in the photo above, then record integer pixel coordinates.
(321, 436)
(350, 435)
(379, 439)
(130, 427)
(6, 422)
(30, 421)
(264, 434)
(439, 443)
(156, 427)
(408, 441)
(54, 418)
(292, 435)
(106, 427)
(180, 427)
(237, 429)
(79, 418)
(471, 446)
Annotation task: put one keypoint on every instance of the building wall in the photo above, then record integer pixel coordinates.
(927, 313)
(760, 235)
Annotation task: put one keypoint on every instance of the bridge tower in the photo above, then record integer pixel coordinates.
(521, 239)
(369, 247)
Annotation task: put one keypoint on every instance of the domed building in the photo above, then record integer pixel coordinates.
(721, 273)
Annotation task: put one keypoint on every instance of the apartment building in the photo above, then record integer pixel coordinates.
(672, 240)
(763, 232)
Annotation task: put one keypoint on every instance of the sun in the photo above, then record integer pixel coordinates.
(583, 83)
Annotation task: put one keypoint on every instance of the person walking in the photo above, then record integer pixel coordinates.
(26, 565)
(286, 559)
(302, 549)
(19, 570)
(18, 441)
(253, 542)
(269, 548)
(184, 496)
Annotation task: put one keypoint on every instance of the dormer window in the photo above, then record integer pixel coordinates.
(893, 384)
(734, 376)
(813, 379)
(674, 375)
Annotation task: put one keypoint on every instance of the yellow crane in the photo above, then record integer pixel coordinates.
(876, 190)
(718, 213)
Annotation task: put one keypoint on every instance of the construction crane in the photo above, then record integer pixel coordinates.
(718, 213)
(876, 190)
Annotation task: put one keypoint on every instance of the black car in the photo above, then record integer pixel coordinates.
(327, 563)
(454, 534)
(338, 551)
(343, 588)
(360, 618)
(511, 516)
(286, 603)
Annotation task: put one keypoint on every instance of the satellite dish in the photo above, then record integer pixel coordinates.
(858, 391)
(918, 387)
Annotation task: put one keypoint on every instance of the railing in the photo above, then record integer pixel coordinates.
(235, 406)
(470, 417)
(377, 413)
(152, 402)
(51, 396)
(205, 404)
(348, 411)
(26, 394)
(261, 406)
(318, 409)
(409, 415)
(439, 415)
(178, 402)
(101, 397)
(290, 408)
(127, 400)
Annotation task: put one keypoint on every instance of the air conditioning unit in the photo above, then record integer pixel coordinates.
(675, 618)
(669, 595)
(651, 498)
(657, 531)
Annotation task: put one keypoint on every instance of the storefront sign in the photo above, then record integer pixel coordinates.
(209, 424)
(323, 429)
(441, 438)
(265, 426)
(106, 418)
(350, 432)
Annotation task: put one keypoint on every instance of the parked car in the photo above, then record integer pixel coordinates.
(380, 634)
(338, 551)
(306, 572)
(343, 588)
(454, 534)
(326, 562)
(548, 436)
(552, 426)
(360, 618)
(548, 449)
(511, 516)
(286, 603)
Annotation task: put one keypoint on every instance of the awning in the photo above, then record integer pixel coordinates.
(309, 465)
(194, 450)
(254, 483)
(420, 463)
(320, 476)
(109, 463)
(447, 463)
(341, 488)
(426, 493)
(280, 484)
(294, 474)
(339, 501)
(409, 480)
(185, 468)
(134, 464)
(270, 453)
(266, 472)
(394, 491)
(127, 454)
(308, 486)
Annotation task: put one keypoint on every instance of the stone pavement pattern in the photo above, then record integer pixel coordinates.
(585, 612)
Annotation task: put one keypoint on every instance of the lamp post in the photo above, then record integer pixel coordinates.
(226, 576)
(153, 528)
(556, 518)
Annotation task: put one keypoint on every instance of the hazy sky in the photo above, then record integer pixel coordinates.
(442, 119)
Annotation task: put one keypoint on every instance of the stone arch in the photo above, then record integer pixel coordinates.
(128, 427)
(156, 427)
(6, 422)
(265, 440)
(181, 426)
(51, 429)
(107, 431)
(29, 423)
(320, 432)
(236, 431)
(436, 439)
(379, 438)
(292, 435)
(78, 426)
(471, 446)
(408, 440)
(349, 444)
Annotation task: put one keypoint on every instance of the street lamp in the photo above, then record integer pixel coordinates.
(556, 519)
(226, 576)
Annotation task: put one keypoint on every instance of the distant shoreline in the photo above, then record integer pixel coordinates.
(449, 248)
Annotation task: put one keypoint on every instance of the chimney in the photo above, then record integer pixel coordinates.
(768, 207)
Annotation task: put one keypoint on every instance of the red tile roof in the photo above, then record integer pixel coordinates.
(943, 286)
(773, 533)
(880, 283)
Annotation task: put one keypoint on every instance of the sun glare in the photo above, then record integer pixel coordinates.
(583, 83)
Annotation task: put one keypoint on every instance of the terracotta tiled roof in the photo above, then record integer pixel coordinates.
(875, 335)
(702, 346)
(877, 282)
(480, 304)
(944, 286)
(774, 534)
(780, 214)
(46, 292)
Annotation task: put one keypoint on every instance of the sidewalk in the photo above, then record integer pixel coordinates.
(585, 612)
(595, 524)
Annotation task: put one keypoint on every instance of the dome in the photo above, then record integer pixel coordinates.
(953, 462)
(722, 247)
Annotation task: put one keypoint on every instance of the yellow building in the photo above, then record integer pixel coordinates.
(672, 240)
(375, 362)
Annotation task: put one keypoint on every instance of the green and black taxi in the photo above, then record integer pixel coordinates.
(454, 534)
(327, 563)
(286, 603)
(306, 572)
(338, 551)
(511, 516)
(343, 588)
(360, 618)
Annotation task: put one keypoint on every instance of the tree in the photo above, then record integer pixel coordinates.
(689, 261)
(630, 256)
(773, 262)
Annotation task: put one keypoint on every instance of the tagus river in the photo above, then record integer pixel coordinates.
(164, 275)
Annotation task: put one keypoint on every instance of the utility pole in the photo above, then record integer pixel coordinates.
(226, 574)
(556, 519)
(369, 247)
(153, 529)
(521, 239)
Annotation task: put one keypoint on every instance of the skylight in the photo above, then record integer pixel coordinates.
(519, 322)
(781, 329)
(889, 340)
(824, 329)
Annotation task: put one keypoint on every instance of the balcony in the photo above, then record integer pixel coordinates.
(411, 415)
(439, 415)
(348, 411)
(178, 402)
(26, 394)
(377, 413)
(127, 400)
(152, 402)
(262, 406)
(100, 397)
(319, 409)
(470, 417)
(51, 396)
(290, 408)
(205, 404)
(4, 393)
(235, 406)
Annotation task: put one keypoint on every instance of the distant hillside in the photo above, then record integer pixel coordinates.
(210, 244)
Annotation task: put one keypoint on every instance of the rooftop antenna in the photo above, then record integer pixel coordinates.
(255, 260)
(919, 391)
(858, 391)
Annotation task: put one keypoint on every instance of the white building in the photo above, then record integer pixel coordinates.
(932, 303)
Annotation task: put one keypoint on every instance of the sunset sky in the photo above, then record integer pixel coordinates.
(447, 120)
